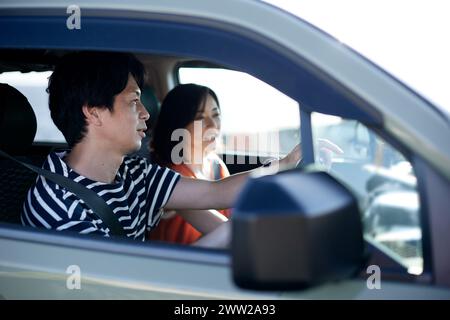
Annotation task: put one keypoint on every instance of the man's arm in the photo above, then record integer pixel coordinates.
(194, 195)
(202, 194)
(220, 194)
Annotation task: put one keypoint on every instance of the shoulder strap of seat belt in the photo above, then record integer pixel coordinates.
(90, 197)
(216, 170)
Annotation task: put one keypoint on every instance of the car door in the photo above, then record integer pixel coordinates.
(309, 67)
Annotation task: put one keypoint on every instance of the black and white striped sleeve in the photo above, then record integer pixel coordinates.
(160, 183)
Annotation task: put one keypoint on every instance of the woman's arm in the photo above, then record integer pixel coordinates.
(204, 221)
(218, 238)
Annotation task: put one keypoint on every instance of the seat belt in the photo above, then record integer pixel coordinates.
(216, 170)
(90, 197)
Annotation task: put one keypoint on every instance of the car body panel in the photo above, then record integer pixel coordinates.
(304, 63)
(149, 273)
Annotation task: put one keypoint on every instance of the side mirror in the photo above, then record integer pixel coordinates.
(294, 230)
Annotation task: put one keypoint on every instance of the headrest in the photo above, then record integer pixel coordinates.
(17, 120)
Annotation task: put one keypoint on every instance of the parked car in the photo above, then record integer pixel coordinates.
(371, 223)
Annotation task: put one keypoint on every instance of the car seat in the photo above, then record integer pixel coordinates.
(17, 130)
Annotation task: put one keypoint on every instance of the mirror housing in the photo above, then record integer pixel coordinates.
(294, 230)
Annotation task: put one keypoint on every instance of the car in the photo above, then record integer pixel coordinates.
(371, 223)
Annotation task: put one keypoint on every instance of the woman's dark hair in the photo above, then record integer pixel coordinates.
(178, 109)
(92, 79)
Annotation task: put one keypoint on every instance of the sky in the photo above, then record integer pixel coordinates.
(408, 38)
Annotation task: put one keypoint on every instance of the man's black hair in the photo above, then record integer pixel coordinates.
(91, 79)
(178, 109)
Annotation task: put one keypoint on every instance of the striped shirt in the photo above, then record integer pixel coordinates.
(136, 197)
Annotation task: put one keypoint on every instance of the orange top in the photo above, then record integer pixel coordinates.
(176, 229)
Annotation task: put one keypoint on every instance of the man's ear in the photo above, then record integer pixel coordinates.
(92, 115)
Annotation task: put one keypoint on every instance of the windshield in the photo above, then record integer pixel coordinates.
(407, 38)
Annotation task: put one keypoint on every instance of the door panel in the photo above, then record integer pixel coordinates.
(37, 269)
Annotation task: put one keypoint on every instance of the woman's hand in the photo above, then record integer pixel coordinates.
(293, 157)
(326, 148)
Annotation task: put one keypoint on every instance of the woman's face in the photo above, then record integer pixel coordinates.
(205, 129)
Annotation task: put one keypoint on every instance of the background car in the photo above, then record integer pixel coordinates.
(323, 230)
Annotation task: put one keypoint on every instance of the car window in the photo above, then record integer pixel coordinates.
(33, 85)
(257, 119)
(383, 181)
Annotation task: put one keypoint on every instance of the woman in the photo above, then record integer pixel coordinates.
(184, 139)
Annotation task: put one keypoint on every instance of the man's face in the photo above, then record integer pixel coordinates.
(124, 127)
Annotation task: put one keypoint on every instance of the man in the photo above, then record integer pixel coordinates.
(94, 100)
